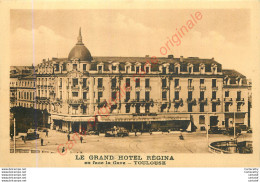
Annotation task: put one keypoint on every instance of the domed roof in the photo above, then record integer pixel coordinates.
(79, 51)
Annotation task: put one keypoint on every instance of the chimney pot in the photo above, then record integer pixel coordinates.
(170, 56)
(181, 58)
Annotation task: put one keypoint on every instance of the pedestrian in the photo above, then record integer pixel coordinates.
(24, 140)
(135, 133)
(41, 141)
(150, 132)
(46, 133)
(68, 137)
(81, 138)
(63, 149)
(12, 136)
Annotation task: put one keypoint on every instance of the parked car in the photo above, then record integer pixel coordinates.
(92, 132)
(32, 134)
(216, 130)
(230, 131)
(117, 131)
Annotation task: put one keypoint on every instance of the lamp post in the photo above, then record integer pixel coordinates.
(14, 136)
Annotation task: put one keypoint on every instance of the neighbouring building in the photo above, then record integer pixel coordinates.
(83, 92)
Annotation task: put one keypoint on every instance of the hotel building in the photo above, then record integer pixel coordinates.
(84, 92)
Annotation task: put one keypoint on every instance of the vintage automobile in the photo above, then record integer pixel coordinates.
(230, 131)
(32, 134)
(216, 130)
(117, 131)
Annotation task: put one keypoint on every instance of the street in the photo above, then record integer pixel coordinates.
(145, 143)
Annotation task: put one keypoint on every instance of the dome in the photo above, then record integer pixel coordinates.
(79, 51)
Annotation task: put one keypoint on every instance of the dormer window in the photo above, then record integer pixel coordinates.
(164, 70)
(113, 68)
(137, 69)
(57, 67)
(214, 69)
(74, 66)
(99, 69)
(147, 70)
(84, 67)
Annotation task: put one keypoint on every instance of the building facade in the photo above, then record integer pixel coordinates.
(82, 92)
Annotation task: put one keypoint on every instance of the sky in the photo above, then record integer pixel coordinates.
(224, 34)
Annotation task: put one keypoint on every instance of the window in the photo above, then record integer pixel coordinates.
(147, 108)
(201, 95)
(127, 69)
(100, 69)
(137, 108)
(176, 94)
(214, 83)
(84, 67)
(142, 68)
(164, 95)
(226, 93)
(164, 82)
(201, 119)
(57, 67)
(238, 95)
(75, 66)
(113, 95)
(147, 69)
(189, 107)
(238, 107)
(100, 82)
(189, 95)
(137, 69)
(176, 82)
(190, 69)
(226, 107)
(201, 107)
(137, 96)
(164, 70)
(127, 96)
(132, 68)
(60, 82)
(137, 82)
(84, 109)
(113, 83)
(113, 68)
(189, 82)
(127, 81)
(60, 94)
(75, 82)
(214, 95)
(75, 94)
(147, 83)
(84, 95)
(202, 82)
(100, 95)
(147, 96)
(84, 82)
(127, 108)
(177, 70)
(214, 107)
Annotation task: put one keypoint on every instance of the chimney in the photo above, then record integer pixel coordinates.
(181, 58)
(170, 56)
(44, 60)
(147, 56)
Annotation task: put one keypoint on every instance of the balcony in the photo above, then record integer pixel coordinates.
(148, 88)
(75, 87)
(101, 88)
(228, 99)
(75, 101)
(165, 88)
(203, 100)
(214, 88)
(177, 100)
(86, 88)
(128, 88)
(192, 101)
(216, 100)
(203, 88)
(190, 88)
(240, 99)
(177, 88)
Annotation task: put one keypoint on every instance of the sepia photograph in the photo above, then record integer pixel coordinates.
(132, 87)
